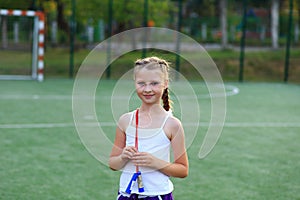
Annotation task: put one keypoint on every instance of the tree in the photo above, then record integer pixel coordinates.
(129, 14)
(61, 20)
(202, 7)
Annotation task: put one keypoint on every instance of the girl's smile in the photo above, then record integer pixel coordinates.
(149, 85)
(147, 96)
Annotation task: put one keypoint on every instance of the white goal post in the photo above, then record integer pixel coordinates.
(37, 67)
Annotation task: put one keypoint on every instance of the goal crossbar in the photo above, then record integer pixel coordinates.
(38, 43)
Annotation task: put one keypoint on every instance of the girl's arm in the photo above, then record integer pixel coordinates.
(120, 155)
(179, 168)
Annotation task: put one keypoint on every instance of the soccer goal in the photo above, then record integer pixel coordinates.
(22, 44)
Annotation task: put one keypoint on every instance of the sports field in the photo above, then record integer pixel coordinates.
(256, 157)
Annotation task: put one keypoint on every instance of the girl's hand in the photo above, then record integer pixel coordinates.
(144, 159)
(128, 153)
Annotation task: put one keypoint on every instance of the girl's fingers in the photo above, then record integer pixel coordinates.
(142, 159)
(131, 149)
(128, 152)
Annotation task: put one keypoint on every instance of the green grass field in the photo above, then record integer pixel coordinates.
(42, 157)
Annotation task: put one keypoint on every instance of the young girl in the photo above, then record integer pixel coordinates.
(144, 138)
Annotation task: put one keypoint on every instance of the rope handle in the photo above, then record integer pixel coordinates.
(136, 134)
(137, 176)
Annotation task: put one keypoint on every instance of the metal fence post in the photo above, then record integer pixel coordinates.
(72, 38)
(178, 38)
(243, 38)
(108, 50)
(288, 41)
(145, 24)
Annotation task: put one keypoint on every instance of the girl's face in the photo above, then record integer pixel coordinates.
(150, 85)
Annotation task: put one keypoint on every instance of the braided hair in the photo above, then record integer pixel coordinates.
(156, 63)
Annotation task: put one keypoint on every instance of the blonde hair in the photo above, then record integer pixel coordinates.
(156, 63)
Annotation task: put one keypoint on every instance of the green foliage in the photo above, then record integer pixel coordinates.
(202, 7)
(131, 13)
(14, 4)
(161, 11)
(127, 12)
(92, 9)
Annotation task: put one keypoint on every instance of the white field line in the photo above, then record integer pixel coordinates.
(201, 124)
(69, 97)
(230, 90)
(34, 97)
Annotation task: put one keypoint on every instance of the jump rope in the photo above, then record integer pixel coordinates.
(137, 176)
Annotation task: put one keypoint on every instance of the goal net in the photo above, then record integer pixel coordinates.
(21, 44)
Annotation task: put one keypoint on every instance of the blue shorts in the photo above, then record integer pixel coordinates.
(141, 197)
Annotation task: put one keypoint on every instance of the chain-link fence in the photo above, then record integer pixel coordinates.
(201, 21)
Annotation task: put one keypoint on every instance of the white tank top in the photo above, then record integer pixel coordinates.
(153, 141)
